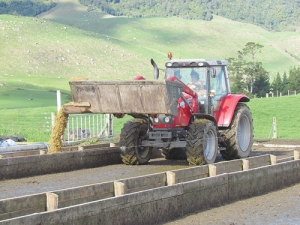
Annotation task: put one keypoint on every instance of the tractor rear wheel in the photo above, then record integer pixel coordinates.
(238, 138)
(131, 137)
(202, 142)
(174, 153)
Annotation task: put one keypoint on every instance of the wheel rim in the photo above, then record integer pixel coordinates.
(210, 144)
(244, 133)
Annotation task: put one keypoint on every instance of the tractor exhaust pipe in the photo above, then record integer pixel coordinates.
(156, 71)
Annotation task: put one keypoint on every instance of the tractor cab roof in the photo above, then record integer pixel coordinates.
(195, 62)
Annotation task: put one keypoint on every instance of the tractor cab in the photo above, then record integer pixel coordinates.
(207, 78)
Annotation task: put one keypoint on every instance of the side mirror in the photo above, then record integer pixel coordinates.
(213, 72)
(156, 71)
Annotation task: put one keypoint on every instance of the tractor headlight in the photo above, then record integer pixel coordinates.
(156, 120)
(167, 119)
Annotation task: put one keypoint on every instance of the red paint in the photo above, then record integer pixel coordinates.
(139, 78)
(227, 107)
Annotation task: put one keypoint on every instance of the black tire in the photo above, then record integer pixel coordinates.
(238, 138)
(132, 134)
(174, 153)
(202, 142)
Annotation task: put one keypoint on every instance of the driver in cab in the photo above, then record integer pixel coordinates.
(196, 85)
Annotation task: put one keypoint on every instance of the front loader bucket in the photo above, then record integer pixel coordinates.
(128, 97)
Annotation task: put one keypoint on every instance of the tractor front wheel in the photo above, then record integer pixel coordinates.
(131, 137)
(238, 138)
(202, 142)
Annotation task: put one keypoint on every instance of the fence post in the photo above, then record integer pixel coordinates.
(52, 119)
(52, 201)
(274, 128)
(212, 170)
(171, 178)
(108, 125)
(119, 188)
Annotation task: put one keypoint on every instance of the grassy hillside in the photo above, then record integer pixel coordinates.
(39, 55)
(153, 37)
(70, 41)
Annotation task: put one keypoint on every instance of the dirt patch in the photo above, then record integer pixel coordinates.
(277, 141)
(282, 148)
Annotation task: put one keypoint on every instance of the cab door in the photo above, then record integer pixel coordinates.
(218, 88)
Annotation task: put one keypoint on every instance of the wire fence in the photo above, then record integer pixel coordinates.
(37, 126)
(279, 94)
(86, 126)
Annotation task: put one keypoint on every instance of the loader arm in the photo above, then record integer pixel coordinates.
(195, 105)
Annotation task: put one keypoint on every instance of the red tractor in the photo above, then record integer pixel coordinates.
(208, 119)
(191, 114)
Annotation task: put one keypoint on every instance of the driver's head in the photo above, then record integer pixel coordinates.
(194, 76)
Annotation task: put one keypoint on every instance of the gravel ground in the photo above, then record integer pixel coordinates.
(272, 208)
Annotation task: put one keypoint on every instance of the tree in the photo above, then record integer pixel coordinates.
(285, 84)
(277, 85)
(250, 50)
(261, 85)
(246, 69)
(236, 71)
(294, 79)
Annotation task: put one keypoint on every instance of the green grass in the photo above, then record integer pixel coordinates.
(285, 109)
(32, 123)
(39, 56)
(25, 98)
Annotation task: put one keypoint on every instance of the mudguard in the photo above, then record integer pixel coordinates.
(228, 107)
